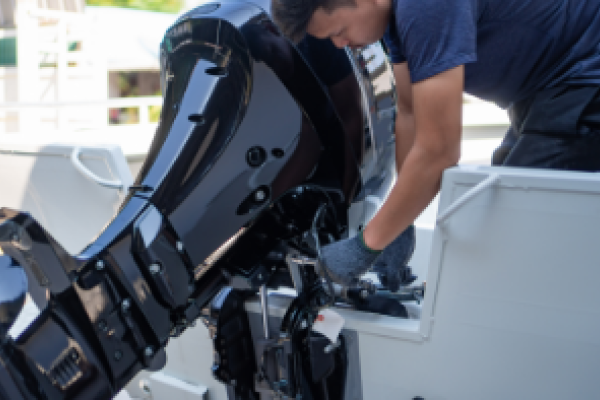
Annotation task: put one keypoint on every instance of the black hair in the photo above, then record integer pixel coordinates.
(293, 16)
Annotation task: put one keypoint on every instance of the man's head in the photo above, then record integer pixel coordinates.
(346, 22)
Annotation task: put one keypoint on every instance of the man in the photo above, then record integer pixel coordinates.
(540, 59)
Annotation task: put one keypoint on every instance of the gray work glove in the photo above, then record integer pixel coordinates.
(391, 265)
(347, 259)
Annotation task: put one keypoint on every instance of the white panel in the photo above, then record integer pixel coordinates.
(189, 359)
(41, 180)
(165, 387)
(511, 295)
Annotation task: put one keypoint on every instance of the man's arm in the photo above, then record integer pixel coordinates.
(437, 111)
(404, 128)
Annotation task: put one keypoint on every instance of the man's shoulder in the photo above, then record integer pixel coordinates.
(409, 10)
(400, 6)
(432, 35)
(392, 43)
(434, 4)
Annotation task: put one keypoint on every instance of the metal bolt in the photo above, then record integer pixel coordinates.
(118, 355)
(99, 265)
(125, 305)
(364, 294)
(154, 269)
(260, 195)
(179, 246)
(145, 386)
(256, 156)
(148, 351)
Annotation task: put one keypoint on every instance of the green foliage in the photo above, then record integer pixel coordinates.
(170, 6)
(128, 84)
(154, 113)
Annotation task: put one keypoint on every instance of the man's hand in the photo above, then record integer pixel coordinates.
(347, 259)
(437, 108)
(394, 258)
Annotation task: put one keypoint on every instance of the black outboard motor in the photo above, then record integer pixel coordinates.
(250, 171)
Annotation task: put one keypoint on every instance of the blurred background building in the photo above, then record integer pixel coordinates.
(66, 66)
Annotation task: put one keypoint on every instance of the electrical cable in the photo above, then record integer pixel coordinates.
(323, 270)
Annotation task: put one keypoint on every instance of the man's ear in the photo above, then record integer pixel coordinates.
(316, 22)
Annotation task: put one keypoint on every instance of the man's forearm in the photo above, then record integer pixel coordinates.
(418, 183)
(436, 105)
(404, 130)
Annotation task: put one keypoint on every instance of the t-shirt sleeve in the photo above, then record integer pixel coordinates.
(392, 44)
(436, 35)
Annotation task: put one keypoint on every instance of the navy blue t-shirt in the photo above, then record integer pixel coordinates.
(510, 48)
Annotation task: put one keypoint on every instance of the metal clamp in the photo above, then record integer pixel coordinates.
(294, 262)
(264, 306)
(90, 175)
